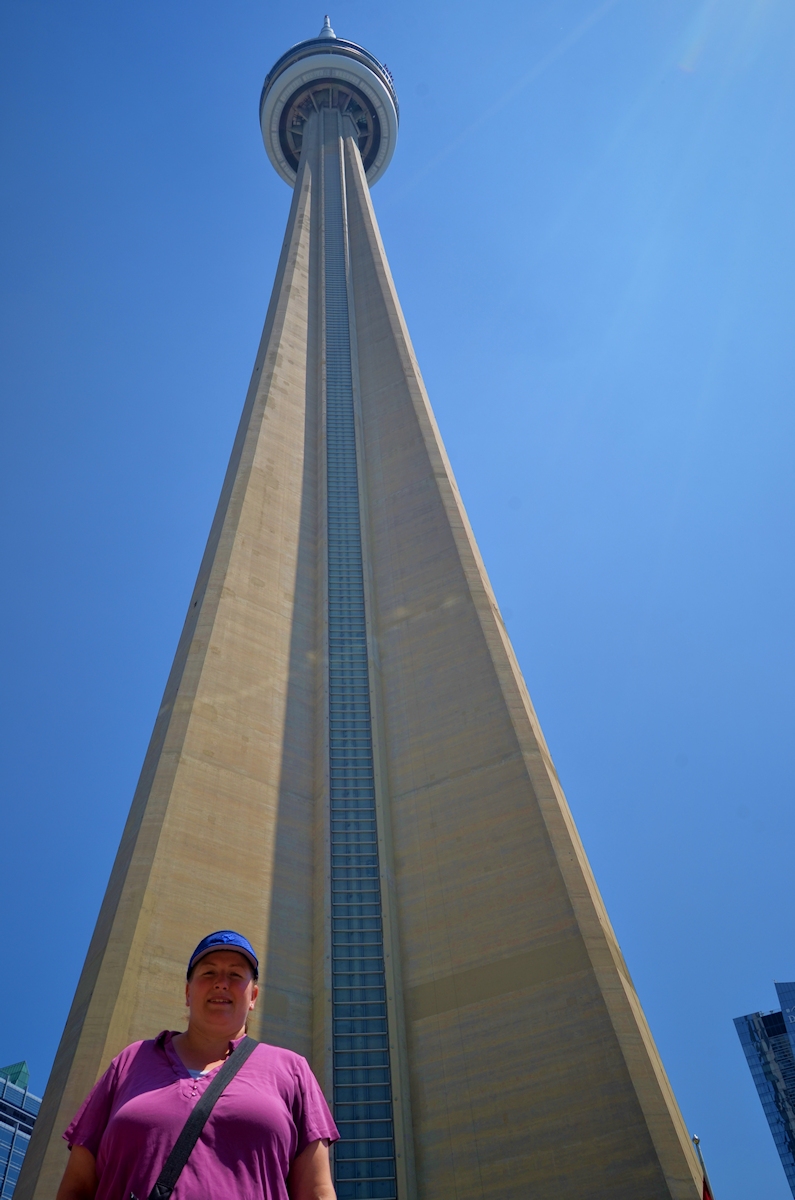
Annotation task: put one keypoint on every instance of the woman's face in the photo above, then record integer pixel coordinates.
(221, 992)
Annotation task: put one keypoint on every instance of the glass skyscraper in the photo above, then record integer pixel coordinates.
(768, 1040)
(18, 1111)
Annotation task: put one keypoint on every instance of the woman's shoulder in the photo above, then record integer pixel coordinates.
(281, 1060)
(138, 1052)
(293, 1077)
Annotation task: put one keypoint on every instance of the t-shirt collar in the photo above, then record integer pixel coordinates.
(164, 1041)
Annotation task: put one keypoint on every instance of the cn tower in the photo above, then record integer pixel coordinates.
(347, 766)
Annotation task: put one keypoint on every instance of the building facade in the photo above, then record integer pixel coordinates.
(18, 1111)
(768, 1040)
(347, 747)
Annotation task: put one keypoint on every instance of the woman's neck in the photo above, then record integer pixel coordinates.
(200, 1049)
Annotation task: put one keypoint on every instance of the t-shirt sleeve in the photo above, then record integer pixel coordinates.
(311, 1114)
(94, 1113)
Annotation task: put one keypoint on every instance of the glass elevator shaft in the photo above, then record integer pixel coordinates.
(365, 1157)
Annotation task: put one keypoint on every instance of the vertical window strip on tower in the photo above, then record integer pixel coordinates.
(365, 1156)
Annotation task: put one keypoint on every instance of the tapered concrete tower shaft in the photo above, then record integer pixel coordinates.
(347, 766)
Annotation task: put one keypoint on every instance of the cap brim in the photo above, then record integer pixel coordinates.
(225, 949)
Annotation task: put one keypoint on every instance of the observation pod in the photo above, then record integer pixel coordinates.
(328, 72)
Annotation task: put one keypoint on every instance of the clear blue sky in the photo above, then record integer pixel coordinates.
(590, 220)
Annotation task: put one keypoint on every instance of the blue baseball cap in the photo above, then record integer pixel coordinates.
(224, 939)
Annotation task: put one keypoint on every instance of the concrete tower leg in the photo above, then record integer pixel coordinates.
(532, 1065)
(228, 778)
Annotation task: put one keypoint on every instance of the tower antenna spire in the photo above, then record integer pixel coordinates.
(327, 31)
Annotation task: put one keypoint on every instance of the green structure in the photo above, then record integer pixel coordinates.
(17, 1073)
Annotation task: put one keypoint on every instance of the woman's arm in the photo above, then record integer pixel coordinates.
(80, 1177)
(310, 1174)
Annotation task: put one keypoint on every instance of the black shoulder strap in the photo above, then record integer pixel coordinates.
(198, 1119)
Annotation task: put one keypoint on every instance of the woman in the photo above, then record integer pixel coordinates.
(268, 1134)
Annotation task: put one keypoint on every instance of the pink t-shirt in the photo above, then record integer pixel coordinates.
(269, 1113)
